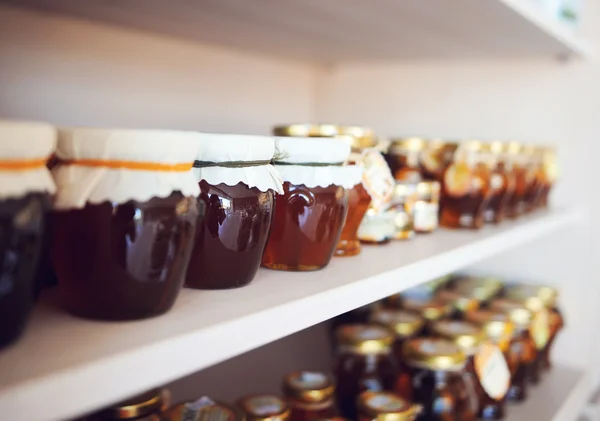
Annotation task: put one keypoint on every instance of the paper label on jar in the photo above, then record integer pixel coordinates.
(425, 216)
(540, 328)
(492, 371)
(377, 178)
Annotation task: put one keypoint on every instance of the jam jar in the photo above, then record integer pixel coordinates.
(25, 190)
(537, 177)
(385, 406)
(202, 409)
(465, 188)
(518, 163)
(460, 303)
(404, 158)
(364, 361)
(439, 382)
(309, 395)
(358, 204)
(426, 208)
(437, 155)
(124, 220)
(264, 408)
(403, 204)
(311, 212)
(496, 361)
(237, 187)
(502, 181)
(522, 346)
(144, 407)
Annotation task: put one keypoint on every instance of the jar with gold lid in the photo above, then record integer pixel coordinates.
(403, 205)
(522, 346)
(144, 407)
(364, 361)
(426, 208)
(430, 309)
(385, 406)
(264, 408)
(502, 181)
(461, 303)
(518, 160)
(309, 395)
(202, 409)
(404, 158)
(465, 188)
(438, 380)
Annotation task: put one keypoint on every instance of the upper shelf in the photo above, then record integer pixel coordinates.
(344, 30)
(97, 363)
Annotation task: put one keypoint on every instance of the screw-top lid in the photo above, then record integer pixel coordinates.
(480, 288)
(308, 386)
(365, 338)
(533, 297)
(496, 325)
(385, 406)
(307, 130)
(516, 311)
(145, 404)
(466, 335)
(406, 144)
(434, 354)
(403, 322)
(457, 300)
(429, 309)
(362, 137)
(203, 409)
(264, 408)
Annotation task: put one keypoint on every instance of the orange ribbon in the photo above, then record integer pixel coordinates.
(22, 164)
(130, 165)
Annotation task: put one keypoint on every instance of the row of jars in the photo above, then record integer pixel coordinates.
(456, 356)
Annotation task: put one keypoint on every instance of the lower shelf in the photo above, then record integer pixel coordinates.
(561, 396)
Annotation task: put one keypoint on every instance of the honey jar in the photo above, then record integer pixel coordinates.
(237, 187)
(124, 220)
(404, 159)
(517, 159)
(364, 361)
(502, 181)
(426, 208)
(436, 156)
(385, 406)
(465, 188)
(264, 408)
(309, 395)
(144, 407)
(25, 192)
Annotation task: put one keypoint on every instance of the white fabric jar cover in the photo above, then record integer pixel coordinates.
(231, 159)
(24, 150)
(315, 162)
(119, 165)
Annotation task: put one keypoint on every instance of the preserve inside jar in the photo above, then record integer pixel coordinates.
(382, 406)
(121, 244)
(144, 407)
(264, 408)
(519, 163)
(502, 182)
(358, 203)
(364, 361)
(202, 409)
(437, 155)
(309, 395)
(403, 157)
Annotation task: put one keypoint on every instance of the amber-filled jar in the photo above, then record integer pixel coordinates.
(403, 204)
(502, 181)
(358, 203)
(537, 177)
(124, 220)
(144, 407)
(311, 212)
(309, 395)
(202, 409)
(237, 186)
(465, 188)
(385, 406)
(364, 361)
(461, 303)
(264, 408)
(549, 296)
(499, 331)
(438, 380)
(522, 346)
(437, 155)
(518, 162)
(403, 157)
(25, 189)
(426, 208)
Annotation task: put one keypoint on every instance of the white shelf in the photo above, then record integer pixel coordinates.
(561, 396)
(64, 366)
(344, 30)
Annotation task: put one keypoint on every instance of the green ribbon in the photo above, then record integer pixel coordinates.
(230, 164)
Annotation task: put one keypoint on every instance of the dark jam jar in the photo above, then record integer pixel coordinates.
(237, 186)
(124, 220)
(519, 167)
(403, 157)
(202, 409)
(549, 297)
(502, 181)
(438, 380)
(385, 406)
(145, 407)
(264, 408)
(309, 395)
(364, 361)
(25, 189)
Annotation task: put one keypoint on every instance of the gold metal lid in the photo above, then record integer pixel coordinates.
(264, 408)
(434, 354)
(403, 322)
(496, 325)
(147, 403)
(413, 144)
(535, 297)
(471, 145)
(307, 130)
(459, 301)
(364, 137)
(466, 335)
(203, 409)
(480, 288)
(495, 147)
(385, 406)
(430, 309)
(365, 338)
(516, 311)
(308, 386)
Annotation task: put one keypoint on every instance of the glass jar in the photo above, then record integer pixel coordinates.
(549, 296)
(502, 181)
(383, 406)
(439, 382)
(403, 157)
(465, 188)
(311, 212)
(237, 185)
(144, 407)
(518, 162)
(461, 304)
(437, 155)
(124, 220)
(522, 346)
(537, 178)
(309, 395)
(403, 203)
(498, 331)
(264, 408)
(358, 203)
(426, 208)
(364, 361)
(25, 189)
